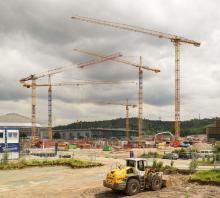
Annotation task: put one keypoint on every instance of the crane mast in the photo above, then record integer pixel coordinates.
(50, 85)
(127, 120)
(177, 89)
(49, 108)
(140, 104)
(177, 40)
(126, 105)
(140, 82)
(33, 109)
(49, 73)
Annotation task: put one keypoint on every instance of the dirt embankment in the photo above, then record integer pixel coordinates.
(181, 188)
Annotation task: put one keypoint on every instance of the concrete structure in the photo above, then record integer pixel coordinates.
(213, 132)
(17, 121)
(94, 133)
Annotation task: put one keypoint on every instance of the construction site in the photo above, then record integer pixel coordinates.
(116, 120)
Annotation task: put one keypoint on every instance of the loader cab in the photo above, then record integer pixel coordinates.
(139, 164)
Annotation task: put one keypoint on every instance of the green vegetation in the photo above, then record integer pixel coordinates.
(5, 157)
(157, 165)
(150, 155)
(205, 161)
(181, 150)
(207, 176)
(217, 147)
(193, 165)
(56, 135)
(194, 126)
(73, 163)
(169, 170)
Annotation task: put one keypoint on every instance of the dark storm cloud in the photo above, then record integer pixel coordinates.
(11, 91)
(39, 35)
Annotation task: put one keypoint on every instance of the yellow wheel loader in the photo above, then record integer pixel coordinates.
(134, 177)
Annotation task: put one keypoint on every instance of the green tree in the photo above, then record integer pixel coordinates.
(56, 135)
(217, 147)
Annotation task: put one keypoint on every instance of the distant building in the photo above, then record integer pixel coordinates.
(213, 132)
(20, 122)
(94, 133)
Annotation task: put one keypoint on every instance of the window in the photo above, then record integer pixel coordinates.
(141, 165)
(15, 135)
(131, 163)
(130, 170)
(10, 134)
(1, 135)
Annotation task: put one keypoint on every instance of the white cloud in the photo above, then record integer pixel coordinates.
(38, 35)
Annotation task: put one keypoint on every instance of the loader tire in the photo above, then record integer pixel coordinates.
(133, 187)
(156, 182)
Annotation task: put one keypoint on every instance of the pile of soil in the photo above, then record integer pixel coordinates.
(181, 187)
(202, 146)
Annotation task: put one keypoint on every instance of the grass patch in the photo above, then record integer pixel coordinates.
(212, 176)
(73, 163)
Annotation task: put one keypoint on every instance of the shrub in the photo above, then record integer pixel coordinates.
(217, 147)
(182, 150)
(73, 163)
(193, 165)
(208, 159)
(171, 163)
(157, 165)
(169, 170)
(5, 157)
(151, 155)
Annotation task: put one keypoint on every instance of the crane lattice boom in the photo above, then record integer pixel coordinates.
(123, 26)
(119, 60)
(61, 69)
(177, 40)
(49, 73)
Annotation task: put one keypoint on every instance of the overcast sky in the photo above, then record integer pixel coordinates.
(39, 35)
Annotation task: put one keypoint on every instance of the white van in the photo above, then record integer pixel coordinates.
(205, 153)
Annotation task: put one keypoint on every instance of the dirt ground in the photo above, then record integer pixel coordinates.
(181, 189)
(56, 182)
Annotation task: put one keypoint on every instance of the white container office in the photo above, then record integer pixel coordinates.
(9, 141)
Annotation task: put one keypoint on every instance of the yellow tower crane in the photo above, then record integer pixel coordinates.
(176, 40)
(49, 73)
(50, 85)
(126, 105)
(140, 92)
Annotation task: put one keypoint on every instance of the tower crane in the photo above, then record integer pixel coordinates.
(49, 73)
(140, 92)
(50, 85)
(126, 105)
(176, 40)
